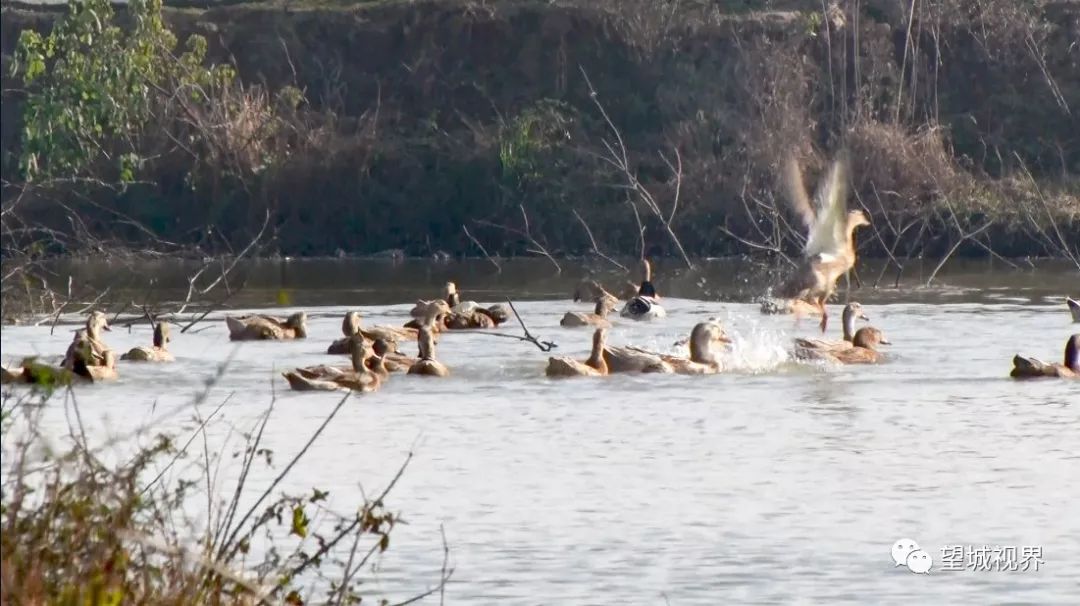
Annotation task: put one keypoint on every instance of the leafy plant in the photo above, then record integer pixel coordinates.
(527, 140)
(94, 86)
(80, 531)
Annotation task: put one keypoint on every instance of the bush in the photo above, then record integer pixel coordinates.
(79, 531)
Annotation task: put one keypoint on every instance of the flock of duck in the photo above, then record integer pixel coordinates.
(829, 253)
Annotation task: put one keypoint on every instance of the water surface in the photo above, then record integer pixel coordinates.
(775, 482)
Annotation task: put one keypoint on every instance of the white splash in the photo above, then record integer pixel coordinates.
(754, 348)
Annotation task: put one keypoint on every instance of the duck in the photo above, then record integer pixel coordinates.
(453, 298)
(350, 326)
(158, 352)
(703, 359)
(261, 327)
(388, 333)
(32, 372)
(427, 365)
(594, 366)
(862, 351)
(852, 311)
(1029, 368)
(330, 378)
(91, 334)
(377, 363)
(605, 304)
(830, 244)
(645, 305)
(469, 314)
(1074, 308)
(634, 359)
(392, 360)
(106, 371)
(497, 312)
(431, 313)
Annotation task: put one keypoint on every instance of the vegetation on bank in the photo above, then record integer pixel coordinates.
(621, 127)
(156, 528)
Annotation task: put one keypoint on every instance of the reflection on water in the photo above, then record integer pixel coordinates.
(775, 483)
(384, 281)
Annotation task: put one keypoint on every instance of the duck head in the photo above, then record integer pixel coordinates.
(1072, 353)
(498, 313)
(95, 323)
(703, 337)
(357, 352)
(298, 322)
(381, 347)
(351, 324)
(428, 312)
(450, 294)
(869, 337)
(605, 304)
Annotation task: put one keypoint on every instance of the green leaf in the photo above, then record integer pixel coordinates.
(299, 522)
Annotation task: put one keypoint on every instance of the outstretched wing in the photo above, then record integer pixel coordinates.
(796, 192)
(827, 237)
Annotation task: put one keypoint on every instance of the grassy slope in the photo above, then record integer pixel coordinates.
(432, 115)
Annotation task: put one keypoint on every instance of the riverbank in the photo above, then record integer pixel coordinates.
(468, 128)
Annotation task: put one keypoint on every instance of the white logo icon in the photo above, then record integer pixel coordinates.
(906, 552)
(919, 562)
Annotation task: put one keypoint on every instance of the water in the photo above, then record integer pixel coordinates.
(774, 483)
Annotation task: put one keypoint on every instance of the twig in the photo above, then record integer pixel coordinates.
(200, 429)
(544, 346)
(482, 249)
(963, 238)
(595, 248)
(618, 158)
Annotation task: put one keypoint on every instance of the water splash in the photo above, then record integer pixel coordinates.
(754, 348)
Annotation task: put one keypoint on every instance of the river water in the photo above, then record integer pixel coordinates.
(775, 482)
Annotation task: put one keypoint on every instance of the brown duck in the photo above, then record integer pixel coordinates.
(261, 327)
(830, 245)
(1030, 368)
(427, 365)
(594, 366)
(158, 352)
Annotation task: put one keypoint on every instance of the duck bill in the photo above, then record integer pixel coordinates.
(885, 341)
(864, 317)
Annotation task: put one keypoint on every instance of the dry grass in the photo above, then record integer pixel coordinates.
(77, 530)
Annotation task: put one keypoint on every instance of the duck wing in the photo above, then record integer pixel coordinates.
(642, 308)
(626, 359)
(822, 344)
(827, 239)
(1074, 308)
(298, 382)
(389, 333)
(669, 358)
(856, 355)
(796, 193)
